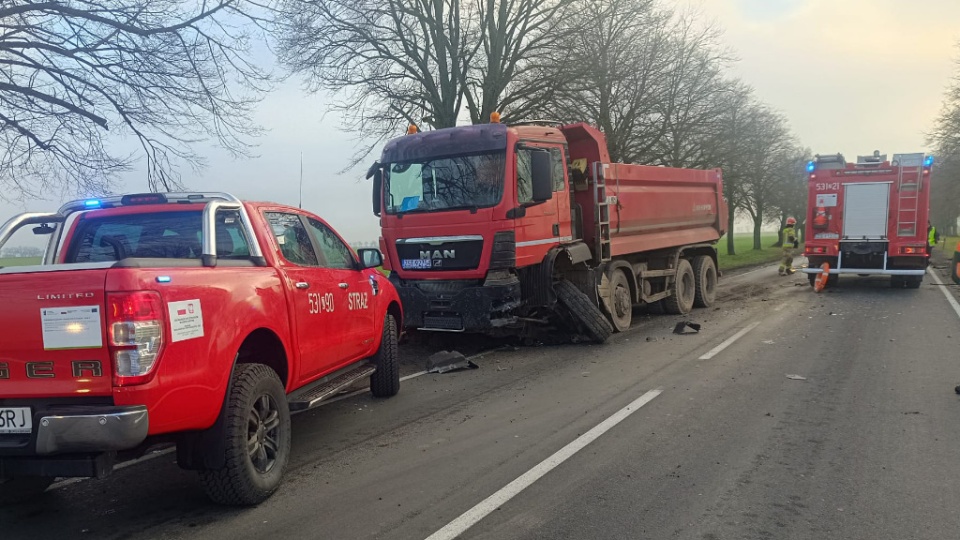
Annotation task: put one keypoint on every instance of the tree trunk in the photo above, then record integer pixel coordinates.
(731, 217)
(757, 223)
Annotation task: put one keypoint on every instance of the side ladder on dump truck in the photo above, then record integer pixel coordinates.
(602, 213)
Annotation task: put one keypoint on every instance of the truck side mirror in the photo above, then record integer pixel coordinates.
(370, 258)
(377, 188)
(542, 172)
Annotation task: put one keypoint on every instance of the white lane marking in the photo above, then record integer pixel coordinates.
(469, 518)
(719, 348)
(950, 298)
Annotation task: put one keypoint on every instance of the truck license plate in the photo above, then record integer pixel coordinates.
(416, 264)
(15, 420)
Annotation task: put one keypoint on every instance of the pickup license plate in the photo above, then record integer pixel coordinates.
(15, 420)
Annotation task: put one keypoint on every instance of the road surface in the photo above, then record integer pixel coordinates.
(790, 415)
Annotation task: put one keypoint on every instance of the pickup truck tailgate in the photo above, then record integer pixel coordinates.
(53, 342)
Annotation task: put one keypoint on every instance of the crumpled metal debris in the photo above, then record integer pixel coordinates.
(682, 325)
(447, 361)
(797, 377)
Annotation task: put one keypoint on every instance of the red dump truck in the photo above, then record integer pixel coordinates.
(491, 228)
(869, 217)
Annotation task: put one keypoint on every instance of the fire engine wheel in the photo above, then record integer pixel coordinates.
(621, 301)
(914, 282)
(258, 439)
(684, 290)
(385, 381)
(586, 315)
(705, 272)
(22, 488)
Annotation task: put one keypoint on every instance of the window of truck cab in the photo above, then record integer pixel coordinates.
(525, 172)
(437, 184)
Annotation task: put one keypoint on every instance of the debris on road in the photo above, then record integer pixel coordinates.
(796, 377)
(681, 326)
(447, 361)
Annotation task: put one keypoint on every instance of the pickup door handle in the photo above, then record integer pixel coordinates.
(344, 285)
(303, 285)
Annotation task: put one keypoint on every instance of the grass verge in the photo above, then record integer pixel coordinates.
(746, 255)
(19, 261)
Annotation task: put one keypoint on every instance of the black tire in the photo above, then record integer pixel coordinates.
(914, 282)
(832, 280)
(256, 409)
(684, 290)
(385, 382)
(22, 488)
(705, 273)
(897, 282)
(621, 301)
(812, 278)
(590, 320)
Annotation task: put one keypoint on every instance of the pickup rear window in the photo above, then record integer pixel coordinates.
(164, 235)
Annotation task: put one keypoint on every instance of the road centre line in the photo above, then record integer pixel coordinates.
(470, 518)
(729, 341)
(950, 298)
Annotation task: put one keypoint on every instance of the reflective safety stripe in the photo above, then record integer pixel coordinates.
(545, 241)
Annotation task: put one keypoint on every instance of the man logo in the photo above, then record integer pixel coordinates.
(438, 254)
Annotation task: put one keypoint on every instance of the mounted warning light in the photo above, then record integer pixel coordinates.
(143, 198)
(928, 162)
(494, 117)
(92, 203)
(412, 129)
(811, 166)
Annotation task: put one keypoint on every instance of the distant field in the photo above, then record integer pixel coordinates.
(19, 261)
(746, 255)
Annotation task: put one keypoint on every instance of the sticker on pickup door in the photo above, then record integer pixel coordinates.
(15, 420)
(186, 320)
(74, 327)
(416, 264)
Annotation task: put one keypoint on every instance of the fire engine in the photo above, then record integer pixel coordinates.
(869, 217)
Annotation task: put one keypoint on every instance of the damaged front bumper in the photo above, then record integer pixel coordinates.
(459, 305)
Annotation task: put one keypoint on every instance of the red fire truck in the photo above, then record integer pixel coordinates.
(869, 217)
(490, 228)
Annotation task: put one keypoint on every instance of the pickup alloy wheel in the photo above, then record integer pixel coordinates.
(258, 439)
(385, 381)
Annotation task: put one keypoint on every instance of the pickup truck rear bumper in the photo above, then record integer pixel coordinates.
(59, 429)
(114, 428)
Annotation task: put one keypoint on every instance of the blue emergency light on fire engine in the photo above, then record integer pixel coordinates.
(928, 162)
(91, 203)
(811, 166)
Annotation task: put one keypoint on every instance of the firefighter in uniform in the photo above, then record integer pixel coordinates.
(932, 238)
(790, 242)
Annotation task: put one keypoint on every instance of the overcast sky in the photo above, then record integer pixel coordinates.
(850, 75)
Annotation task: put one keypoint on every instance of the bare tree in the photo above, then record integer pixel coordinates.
(945, 138)
(423, 62)
(169, 73)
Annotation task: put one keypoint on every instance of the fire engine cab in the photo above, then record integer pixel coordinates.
(869, 217)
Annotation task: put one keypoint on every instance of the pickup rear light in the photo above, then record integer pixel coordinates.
(135, 328)
(912, 250)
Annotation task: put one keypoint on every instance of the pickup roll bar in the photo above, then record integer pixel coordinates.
(215, 203)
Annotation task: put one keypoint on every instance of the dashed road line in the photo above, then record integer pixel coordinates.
(729, 341)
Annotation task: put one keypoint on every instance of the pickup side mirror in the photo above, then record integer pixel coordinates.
(370, 258)
(542, 173)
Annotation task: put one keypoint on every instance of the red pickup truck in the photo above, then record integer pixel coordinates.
(193, 319)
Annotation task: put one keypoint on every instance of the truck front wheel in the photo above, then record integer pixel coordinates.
(684, 290)
(258, 439)
(587, 316)
(385, 381)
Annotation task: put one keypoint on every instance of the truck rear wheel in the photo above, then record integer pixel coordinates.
(385, 381)
(22, 488)
(258, 439)
(620, 302)
(684, 290)
(588, 317)
(705, 272)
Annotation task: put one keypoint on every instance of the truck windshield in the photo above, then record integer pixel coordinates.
(163, 235)
(447, 183)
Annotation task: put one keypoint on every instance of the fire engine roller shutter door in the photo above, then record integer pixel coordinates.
(865, 211)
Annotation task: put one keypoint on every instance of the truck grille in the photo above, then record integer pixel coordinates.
(442, 322)
(459, 254)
